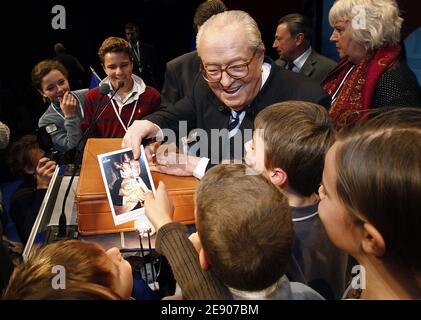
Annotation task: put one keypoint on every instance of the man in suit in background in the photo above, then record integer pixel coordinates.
(146, 62)
(293, 44)
(181, 72)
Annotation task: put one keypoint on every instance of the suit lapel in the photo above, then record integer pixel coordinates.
(308, 66)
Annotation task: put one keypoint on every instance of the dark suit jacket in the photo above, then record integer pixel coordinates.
(149, 65)
(316, 66)
(180, 75)
(202, 109)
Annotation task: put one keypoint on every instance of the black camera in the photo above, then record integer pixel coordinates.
(46, 143)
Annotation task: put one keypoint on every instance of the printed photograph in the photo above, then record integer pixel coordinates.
(126, 181)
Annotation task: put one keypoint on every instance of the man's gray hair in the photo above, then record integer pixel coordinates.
(232, 17)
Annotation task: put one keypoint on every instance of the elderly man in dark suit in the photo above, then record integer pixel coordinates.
(292, 42)
(237, 82)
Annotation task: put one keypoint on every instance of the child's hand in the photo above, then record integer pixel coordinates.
(68, 104)
(194, 238)
(44, 171)
(159, 208)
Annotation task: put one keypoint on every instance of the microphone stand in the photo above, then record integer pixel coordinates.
(62, 225)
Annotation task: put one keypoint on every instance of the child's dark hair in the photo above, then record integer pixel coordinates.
(296, 135)
(244, 224)
(20, 153)
(379, 179)
(89, 273)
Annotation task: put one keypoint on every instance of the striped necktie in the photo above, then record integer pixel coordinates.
(235, 119)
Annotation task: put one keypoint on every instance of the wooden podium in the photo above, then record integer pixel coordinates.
(93, 210)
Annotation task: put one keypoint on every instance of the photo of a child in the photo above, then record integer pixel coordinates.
(126, 181)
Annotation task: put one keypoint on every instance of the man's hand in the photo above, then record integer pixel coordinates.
(176, 164)
(159, 208)
(139, 130)
(44, 172)
(68, 104)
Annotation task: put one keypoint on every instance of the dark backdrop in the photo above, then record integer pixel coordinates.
(27, 38)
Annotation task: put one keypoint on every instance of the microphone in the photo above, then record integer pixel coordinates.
(120, 85)
(104, 89)
(96, 116)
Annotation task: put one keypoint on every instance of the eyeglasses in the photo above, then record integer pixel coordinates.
(213, 74)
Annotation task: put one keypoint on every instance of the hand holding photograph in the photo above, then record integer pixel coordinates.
(126, 181)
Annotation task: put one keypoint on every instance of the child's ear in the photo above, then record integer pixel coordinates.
(278, 177)
(373, 242)
(204, 262)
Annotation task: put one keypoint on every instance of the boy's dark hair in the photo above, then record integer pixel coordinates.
(244, 224)
(297, 135)
(114, 44)
(20, 153)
